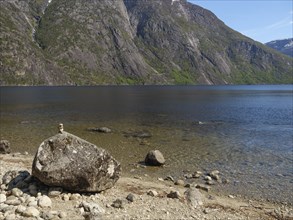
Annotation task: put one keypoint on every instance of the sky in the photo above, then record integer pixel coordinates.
(261, 20)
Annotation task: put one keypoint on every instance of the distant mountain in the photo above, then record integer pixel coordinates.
(69, 42)
(284, 46)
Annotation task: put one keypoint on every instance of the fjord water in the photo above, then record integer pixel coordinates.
(245, 132)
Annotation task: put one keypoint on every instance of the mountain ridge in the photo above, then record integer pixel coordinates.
(128, 42)
(284, 46)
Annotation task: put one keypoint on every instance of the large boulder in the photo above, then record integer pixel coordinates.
(154, 158)
(4, 147)
(74, 164)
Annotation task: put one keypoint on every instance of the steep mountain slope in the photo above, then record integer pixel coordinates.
(21, 61)
(284, 46)
(128, 42)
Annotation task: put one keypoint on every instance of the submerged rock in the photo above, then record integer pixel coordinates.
(138, 134)
(74, 164)
(4, 147)
(101, 130)
(154, 158)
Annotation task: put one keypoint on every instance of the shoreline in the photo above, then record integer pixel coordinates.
(156, 206)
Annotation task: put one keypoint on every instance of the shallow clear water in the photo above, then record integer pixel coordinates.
(244, 131)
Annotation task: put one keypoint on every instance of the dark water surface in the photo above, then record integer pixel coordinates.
(245, 132)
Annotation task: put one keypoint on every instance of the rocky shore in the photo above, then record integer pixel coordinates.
(133, 197)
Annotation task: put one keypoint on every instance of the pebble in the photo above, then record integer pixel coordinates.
(62, 215)
(180, 182)
(207, 178)
(194, 197)
(33, 203)
(117, 204)
(65, 197)
(203, 187)
(10, 217)
(55, 191)
(20, 209)
(130, 197)
(31, 212)
(188, 176)
(210, 182)
(74, 196)
(170, 178)
(174, 195)
(44, 201)
(12, 200)
(153, 193)
(16, 192)
(197, 174)
(2, 198)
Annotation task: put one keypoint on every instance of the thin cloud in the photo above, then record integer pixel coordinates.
(283, 23)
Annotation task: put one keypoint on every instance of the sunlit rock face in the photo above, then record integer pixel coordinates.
(74, 164)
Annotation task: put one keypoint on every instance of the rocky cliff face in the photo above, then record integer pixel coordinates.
(128, 42)
(284, 46)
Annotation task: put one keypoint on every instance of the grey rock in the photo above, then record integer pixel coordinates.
(74, 164)
(154, 158)
(194, 197)
(4, 147)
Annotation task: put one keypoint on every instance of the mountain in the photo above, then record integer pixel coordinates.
(284, 46)
(74, 42)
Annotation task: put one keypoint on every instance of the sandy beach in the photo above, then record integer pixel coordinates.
(149, 199)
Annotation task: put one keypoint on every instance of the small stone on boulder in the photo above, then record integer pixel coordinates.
(4, 147)
(74, 164)
(154, 158)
